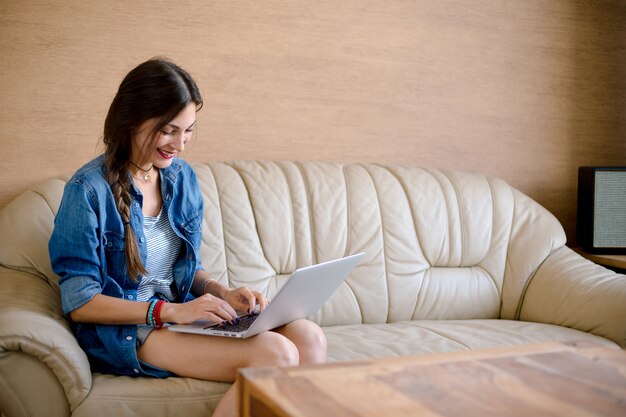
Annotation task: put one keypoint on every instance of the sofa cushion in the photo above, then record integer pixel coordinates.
(123, 396)
(354, 342)
(126, 396)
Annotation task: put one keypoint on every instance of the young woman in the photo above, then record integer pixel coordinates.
(126, 245)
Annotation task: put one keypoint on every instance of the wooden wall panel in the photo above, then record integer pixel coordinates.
(523, 90)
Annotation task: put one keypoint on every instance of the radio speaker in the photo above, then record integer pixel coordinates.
(601, 218)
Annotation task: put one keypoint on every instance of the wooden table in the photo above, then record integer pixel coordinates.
(556, 379)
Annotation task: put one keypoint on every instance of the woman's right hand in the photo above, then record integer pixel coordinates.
(205, 307)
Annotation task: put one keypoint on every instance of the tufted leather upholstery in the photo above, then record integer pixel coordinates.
(440, 245)
(455, 260)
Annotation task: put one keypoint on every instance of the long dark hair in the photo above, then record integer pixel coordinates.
(156, 89)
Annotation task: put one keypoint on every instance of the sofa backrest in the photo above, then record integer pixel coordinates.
(439, 244)
(26, 224)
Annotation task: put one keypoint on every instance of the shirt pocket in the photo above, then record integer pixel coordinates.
(115, 253)
(193, 223)
(191, 229)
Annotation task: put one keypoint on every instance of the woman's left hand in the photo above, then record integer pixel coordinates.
(245, 299)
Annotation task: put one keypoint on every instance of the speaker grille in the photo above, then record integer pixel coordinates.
(610, 210)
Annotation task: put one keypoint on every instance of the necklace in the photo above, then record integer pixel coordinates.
(146, 175)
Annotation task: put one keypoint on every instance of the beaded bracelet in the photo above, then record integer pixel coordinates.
(150, 313)
(156, 314)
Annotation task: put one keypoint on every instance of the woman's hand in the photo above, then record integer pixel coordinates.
(245, 299)
(205, 307)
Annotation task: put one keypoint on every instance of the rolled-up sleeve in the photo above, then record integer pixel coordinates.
(74, 246)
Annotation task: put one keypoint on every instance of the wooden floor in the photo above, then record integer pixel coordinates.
(557, 380)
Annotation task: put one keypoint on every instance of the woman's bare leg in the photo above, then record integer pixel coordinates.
(217, 358)
(308, 338)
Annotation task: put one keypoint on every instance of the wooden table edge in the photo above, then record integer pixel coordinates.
(248, 377)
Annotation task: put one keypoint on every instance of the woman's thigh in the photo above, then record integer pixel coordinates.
(215, 358)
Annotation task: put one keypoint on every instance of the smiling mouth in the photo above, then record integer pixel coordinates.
(166, 155)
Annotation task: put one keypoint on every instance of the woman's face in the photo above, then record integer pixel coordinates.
(171, 140)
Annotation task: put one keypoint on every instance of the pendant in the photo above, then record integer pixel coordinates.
(147, 177)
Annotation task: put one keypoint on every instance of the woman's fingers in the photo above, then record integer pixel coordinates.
(213, 318)
(227, 312)
(249, 299)
(262, 301)
(217, 307)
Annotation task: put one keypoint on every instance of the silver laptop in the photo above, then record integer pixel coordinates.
(301, 296)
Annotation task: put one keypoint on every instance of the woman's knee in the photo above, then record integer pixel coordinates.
(307, 334)
(317, 338)
(274, 349)
(308, 338)
(315, 343)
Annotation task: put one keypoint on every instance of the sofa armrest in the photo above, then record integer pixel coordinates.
(571, 291)
(28, 388)
(37, 329)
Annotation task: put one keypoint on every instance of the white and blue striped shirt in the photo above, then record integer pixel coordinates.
(163, 248)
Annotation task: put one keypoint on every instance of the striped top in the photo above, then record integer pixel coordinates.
(163, 248)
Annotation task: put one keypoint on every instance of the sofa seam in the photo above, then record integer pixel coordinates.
(531, 277)
(348, 241)
(309, 209)
(29, 269)
(444, 336)
(15, 395)
(178, 399)
(491, 240)
(491, 279)
(416, 304)
(254, 216)
(54, 352)
(219, 204)
(440, 251)
(292, 246)
(348, 214)
(462, 221)
(43, 197)
(520, 301)
(446, 223)
(382, 234)
(508, 250)
(408, 200)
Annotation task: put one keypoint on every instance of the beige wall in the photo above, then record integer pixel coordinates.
(524, 90)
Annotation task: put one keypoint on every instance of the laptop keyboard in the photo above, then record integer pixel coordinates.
(243, 323)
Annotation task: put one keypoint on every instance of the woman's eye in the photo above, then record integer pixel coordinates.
(166, 132)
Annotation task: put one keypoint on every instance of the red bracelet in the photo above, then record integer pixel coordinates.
(156, 314)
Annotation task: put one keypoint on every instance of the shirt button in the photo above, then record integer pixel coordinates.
(130, 297)
(142, 239)
(136, 370)
(129, 338)
(190, 257)
(136, 204)
(183, 288)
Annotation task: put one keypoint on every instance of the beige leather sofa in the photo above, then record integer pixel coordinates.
(454, 261)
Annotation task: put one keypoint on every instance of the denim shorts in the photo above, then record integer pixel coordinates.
(143, 331)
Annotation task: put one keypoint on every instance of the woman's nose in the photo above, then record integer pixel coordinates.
(179, 143)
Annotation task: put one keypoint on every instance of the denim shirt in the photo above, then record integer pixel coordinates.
(87, 251)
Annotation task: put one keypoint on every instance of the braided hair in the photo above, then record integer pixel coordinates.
(156, 89)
